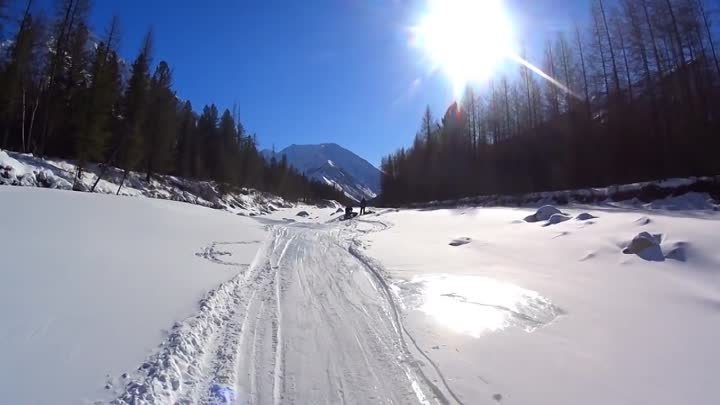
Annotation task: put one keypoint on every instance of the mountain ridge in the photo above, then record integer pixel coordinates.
(334, 165)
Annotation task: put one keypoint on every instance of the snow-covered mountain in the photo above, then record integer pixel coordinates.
(334, 165)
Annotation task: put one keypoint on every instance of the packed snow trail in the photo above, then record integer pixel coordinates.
(310, 322)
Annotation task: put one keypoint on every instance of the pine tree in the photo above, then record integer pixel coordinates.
(186, 144)
(228, 155)
(160, 125)
(210, 141)
(68, 31)
(134, 110)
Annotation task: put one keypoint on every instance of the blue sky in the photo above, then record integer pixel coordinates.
(309, 71)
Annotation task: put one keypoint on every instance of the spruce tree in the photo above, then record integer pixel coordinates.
(134, 110)
(184, 161)
(161, 122)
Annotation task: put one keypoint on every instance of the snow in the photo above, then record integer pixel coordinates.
(10, 167)
(27, 170)
(109, 300)
(89, 284)
(559, 315)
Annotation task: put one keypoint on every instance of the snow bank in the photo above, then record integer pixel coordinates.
(27, 170)
(692, 192)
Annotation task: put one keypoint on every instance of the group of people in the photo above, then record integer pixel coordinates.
(349, 209)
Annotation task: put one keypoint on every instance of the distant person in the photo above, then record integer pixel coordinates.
(363, 204)
(348, 212)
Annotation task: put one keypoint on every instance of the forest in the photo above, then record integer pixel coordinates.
(66, 92)
(637, 98)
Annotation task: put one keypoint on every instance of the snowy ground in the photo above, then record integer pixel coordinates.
(90, 283)
(471, 305)
(524, 313)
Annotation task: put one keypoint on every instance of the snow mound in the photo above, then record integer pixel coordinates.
(543, 214)
(556, 219)
(585, 216)
(646, 246)
(460, 241)
(10, 166)
(303, 214)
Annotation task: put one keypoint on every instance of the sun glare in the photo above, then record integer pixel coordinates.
(466, 39)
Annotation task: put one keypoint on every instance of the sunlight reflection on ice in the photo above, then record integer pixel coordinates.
(477, 305)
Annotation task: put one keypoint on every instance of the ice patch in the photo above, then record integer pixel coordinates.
(477, 305)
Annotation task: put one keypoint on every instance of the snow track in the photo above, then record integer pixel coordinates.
(311, 321)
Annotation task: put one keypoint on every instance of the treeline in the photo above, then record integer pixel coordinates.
(66, 93)
(642, 103)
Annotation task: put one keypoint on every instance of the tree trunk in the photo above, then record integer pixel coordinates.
(125, 174)
(598, 38)
(584, 72)
(627, 65)
(32, 120)
(709, 35)
(616, 77)
(651, 31)
(22, 129)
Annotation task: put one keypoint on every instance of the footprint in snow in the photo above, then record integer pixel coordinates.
(460, 241)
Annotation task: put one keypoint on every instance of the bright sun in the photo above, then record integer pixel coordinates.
(466, 39)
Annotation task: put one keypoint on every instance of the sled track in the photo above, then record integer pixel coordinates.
(311, 321)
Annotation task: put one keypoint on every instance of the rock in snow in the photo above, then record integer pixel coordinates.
(585, 216)
(647, 246)
(543, 214)
(556, 219)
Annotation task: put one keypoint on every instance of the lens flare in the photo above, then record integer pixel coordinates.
(468, 40)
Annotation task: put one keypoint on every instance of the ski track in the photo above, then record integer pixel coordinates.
(311, 321)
